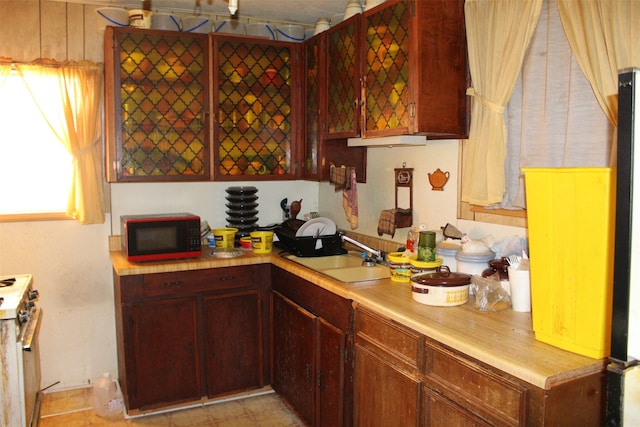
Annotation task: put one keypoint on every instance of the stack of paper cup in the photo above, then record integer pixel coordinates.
(140, 18)
(353, 8)
(520, 289)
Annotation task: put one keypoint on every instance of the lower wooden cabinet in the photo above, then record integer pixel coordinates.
(166, 346)
(293, 355)
(405, 378)
(312, 350)
(385, 394)
(191, 335)
(438, 408)
(233, 344)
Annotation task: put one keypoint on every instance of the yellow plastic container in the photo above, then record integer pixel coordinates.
(419, 267)
(571, 220)
(262, 241)
(399, 266)
(225, 237)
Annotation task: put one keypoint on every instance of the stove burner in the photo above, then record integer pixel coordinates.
(7, 282)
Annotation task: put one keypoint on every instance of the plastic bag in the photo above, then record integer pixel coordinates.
(513, 245)
(490, 296)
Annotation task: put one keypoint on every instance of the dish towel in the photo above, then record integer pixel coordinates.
(339, 177)
(387, 222)
(350, 199)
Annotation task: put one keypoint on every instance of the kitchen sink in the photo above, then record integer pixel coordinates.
(346, 268)
(351, 259)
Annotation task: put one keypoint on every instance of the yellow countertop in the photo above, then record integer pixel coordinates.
(504, 340)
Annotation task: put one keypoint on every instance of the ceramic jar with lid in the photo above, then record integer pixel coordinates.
(500, 266)
(473, 263)
(440, 288)
(447, 251)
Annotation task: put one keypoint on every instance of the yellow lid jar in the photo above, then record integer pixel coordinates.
(400, 267)
(419, 267)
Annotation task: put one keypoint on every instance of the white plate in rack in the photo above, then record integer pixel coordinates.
(317, 227)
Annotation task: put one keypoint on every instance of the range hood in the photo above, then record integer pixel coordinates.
(388, 141)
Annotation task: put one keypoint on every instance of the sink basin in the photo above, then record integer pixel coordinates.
(345, 268)
(328, 262)
(358, 274)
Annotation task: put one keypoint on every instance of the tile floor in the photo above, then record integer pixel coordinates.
(72, 408)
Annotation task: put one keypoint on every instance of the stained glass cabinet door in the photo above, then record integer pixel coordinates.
(254, 105)
(157, 100)
(415, 69)
(343, 84)
(313, 109)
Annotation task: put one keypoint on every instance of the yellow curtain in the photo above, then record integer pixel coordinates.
(5, 69)
(69, 95)
(498, 33)
(604, 38)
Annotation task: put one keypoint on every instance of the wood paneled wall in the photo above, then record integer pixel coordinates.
(31, 29)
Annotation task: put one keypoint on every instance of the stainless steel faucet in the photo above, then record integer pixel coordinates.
(375, 256)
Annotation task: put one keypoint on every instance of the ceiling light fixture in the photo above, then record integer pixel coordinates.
(233, 7)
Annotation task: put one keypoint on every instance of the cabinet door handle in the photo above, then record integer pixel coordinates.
(308, 373)
(227, 278)
(172, 284)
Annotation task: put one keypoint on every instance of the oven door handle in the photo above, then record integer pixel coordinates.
(31, 329)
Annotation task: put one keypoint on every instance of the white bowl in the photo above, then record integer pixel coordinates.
(230, 26)
(261, 29)
(196, 24)
(291, 33)
(165, 21)
(113, 16)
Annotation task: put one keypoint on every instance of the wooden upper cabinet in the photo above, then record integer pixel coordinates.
(157, 105)
(314, 112)
(257, 107)
(331, 108)
(415, 69)
(343, 82)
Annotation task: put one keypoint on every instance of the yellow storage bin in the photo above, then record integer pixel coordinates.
(571, 221)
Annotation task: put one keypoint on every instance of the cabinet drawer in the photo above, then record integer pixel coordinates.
(399, 341)
(190, 282)
(492, 396)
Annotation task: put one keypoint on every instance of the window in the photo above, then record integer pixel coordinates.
(553, 119)
(36, 169)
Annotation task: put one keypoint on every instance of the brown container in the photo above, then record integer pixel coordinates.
(442, 288)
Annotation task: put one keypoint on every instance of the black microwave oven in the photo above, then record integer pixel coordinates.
(160, 236)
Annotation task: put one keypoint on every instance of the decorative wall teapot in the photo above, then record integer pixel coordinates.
(438, 179)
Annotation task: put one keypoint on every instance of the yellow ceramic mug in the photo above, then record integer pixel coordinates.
(225, 237)
(262, 241)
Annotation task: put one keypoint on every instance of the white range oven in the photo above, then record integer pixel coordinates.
(20, 319)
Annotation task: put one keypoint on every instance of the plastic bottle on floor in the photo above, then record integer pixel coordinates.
(107, 399)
